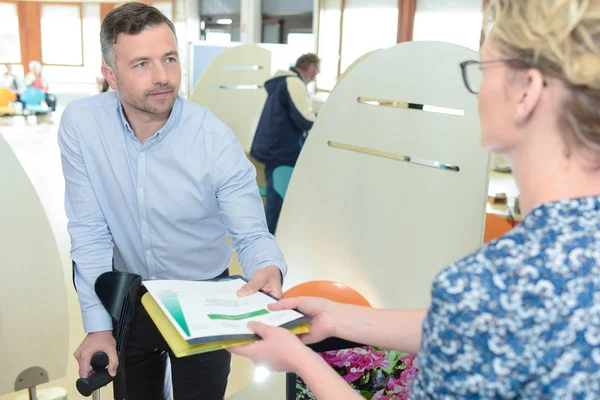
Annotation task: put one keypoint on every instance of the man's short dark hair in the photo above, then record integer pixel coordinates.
(131, 19)
(306, 59)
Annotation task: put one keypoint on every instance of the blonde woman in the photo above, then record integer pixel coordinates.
(34, 77)
(520, 317)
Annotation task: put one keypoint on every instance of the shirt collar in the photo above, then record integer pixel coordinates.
(564, 210)
(162, 132)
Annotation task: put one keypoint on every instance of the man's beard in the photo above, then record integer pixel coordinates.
(143, 102)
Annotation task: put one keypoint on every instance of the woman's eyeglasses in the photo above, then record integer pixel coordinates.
(472, 71)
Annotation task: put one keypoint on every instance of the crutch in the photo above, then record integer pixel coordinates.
(118, 292)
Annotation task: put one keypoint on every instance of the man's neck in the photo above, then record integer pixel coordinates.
(144, 125)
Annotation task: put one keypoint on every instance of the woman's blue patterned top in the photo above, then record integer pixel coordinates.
(520, 317)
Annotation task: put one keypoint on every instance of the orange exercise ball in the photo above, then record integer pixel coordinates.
(329, 290)
(495, 227)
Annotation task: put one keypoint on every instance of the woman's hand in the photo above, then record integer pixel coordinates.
(323, 313)
(279, 350)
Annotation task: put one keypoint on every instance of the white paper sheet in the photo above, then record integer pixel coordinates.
(202, 310)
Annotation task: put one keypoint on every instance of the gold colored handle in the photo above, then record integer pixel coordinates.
(371, 101)
(394, 156)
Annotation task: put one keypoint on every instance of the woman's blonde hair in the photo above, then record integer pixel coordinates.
(35, 65)
(561, 38)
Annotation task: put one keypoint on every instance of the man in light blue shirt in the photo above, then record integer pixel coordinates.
(156, 184)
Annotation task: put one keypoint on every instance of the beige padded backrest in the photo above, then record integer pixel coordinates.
(354, 213)
(232, 87)
(33, 298)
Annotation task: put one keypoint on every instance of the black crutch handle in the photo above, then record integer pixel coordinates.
(86, 386)
(99, 361)
(98, 379)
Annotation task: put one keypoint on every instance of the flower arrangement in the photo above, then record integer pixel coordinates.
(375, 373)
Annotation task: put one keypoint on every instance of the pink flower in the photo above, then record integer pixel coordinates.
(356, 361)
(382, 396)
(408, 376)
(394, 383)
(353, 376)
(402, 395)
(408, 360)
(401, 386)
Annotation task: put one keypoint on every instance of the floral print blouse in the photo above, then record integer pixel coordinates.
(520, 317)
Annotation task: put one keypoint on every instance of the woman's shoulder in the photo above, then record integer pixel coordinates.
(554, 249)
(489, 264)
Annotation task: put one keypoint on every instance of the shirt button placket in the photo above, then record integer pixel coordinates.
(143, 211)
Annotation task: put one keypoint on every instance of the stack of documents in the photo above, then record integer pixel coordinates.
(201, 316)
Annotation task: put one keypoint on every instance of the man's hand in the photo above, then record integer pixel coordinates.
(267, 279)
(93, 343)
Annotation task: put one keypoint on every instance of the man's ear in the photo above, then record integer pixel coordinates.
(109, 74)
(530, 96)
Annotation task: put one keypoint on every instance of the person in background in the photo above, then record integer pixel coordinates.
(156, 185)
(102, 85)
(11, 81)
(286, 118)
(36, 79)
(518, 318)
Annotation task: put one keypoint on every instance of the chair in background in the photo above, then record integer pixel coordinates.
(281, 179)
(6, 97)
(32, 99)
(262, 191)
(495, 227)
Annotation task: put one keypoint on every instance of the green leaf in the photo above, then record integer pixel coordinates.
(367, 395)
(394, 357)
(365, 378)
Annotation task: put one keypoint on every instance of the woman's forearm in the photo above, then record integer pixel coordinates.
(390, 329)
(322, 380)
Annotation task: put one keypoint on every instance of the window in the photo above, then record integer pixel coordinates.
(217, 37)
(459, 23)
(10, 50)
(91, 34)
(368, 26)
(329, 43)
(270, 32)
(304, 42)
(61, 35)
(165, 7)
(462, 28)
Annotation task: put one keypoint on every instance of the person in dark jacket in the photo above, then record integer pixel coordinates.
(284, 124)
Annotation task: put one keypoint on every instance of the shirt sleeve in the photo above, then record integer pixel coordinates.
(242, 209)
(91, 241)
